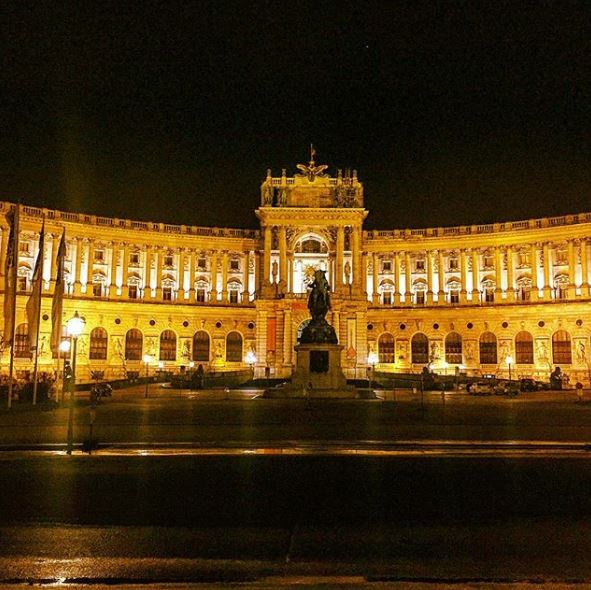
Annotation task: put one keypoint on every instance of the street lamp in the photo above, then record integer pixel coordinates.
(64, 348)
(509, 360)
(147, 361)
(251, 359)
(372, 361)
(74, 327)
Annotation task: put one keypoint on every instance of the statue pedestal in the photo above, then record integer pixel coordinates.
(318, 368)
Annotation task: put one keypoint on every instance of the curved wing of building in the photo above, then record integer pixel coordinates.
(480, 299)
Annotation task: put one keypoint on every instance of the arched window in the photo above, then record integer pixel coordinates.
(561, 348)
(488, 349)
(234, 347)
(524, 286)
(22, 348)
(453, 348)
(98, 345)
(386, 348)
(234, 288)
(168, 346)
(201, 346)
(133, 345)
(420, 288)
(561, 283)
(419, 349)
(488, 290)
(524, 348)
(454, 286)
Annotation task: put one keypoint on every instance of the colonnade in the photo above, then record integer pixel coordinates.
(518, 272)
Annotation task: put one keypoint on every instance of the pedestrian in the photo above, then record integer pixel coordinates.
(579, 387)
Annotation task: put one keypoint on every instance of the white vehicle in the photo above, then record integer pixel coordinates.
(482, 388)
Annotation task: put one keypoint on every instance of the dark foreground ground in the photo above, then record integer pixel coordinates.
(212, 488)
(263, 518)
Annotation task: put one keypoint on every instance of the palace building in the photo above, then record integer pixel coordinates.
(477, 298)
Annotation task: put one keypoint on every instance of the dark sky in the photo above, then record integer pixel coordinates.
(453, 112)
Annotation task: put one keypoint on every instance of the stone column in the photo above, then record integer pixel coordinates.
(356, 257)
(364, 273)
(429, 261)
(290, 271)
(89, 267)
(148, 273)
(397, 278)
(282, 234)
(257, 273)
(340, 258)
(584, 269)
(225, 275)
(287, 343)
(534, 271)
(463, 269)
(213, 294)
(125, 271)
(181, 275)
(441, 278)
(475, 277)
(547, 257)
(498, 273)
(158, 256)
(407, 279)
(113, 277)
(376, 278)
(510, 275)
(268, 238)
(3, 248)
(245, 286)
(191, 278)
(572, 266)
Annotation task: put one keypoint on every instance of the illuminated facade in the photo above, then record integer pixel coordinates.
(471, 297)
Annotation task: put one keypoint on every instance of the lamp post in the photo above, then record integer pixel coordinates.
(372, 360)
(509, 360)
(64, 348)
(74, 327)
(147, 361)
(251, 359)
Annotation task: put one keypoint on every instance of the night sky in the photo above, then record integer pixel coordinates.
(452, 112)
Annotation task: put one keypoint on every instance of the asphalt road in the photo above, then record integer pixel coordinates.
(241, 518)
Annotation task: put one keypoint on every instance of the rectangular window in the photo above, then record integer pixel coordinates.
(167, 294)
(132, 292)
(488, 261)
(25, 247)
(453, 264)
(23, 284)
(99, 255)
(523, 258)
(201, 263)
(168, 260)
(387, 266)
(233, 295)
(200, 295)
(560, 257)
(134, 258)
(454, 296)
(234, 264)
(387, 298)
(97, 289)
(489, 295)
(420, 297)
(420, 265)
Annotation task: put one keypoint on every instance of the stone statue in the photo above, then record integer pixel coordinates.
(319, 330)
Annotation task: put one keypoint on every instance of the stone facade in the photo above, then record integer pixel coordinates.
(471, 298)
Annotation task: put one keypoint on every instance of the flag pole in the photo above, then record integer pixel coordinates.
(39, 287)
(15, 274)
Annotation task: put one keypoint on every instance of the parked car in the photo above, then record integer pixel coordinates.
(528, 385)
(482, 388)
(506, 388)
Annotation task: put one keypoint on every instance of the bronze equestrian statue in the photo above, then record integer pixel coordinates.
(318, 329)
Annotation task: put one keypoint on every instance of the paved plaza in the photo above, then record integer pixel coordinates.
(238, 417)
